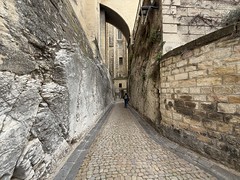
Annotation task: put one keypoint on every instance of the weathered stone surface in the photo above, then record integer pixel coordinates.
(20, 105)
(52, 89)
(209, 81)
(13, 138)
(224, 128)
(194, 19)
(199, 81)
(31, 164)
(144, 89)
(231, 79)
(197, 74)
(208, 106)
(227, 108)
(199, 99)
(234, 99)
(195, 90)
(223, 90)
(224, 70)
(209, 109)
(181, 76)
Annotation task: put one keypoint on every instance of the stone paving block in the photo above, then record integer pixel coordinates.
(81, 148)
(62, 175)
(75, 155)
(223, 174)
(74, 170)
(204, 162)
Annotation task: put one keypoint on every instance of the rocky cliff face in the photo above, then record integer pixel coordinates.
(52, 89)
(144, 72)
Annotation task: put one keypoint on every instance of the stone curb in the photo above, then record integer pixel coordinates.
(209, 166)
(71, 167)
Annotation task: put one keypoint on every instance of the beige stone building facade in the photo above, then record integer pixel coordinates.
(108, 26)
(117, 59)
(182, 22)
(187, 20)
(94, 14)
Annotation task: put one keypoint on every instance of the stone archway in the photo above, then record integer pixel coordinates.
(121, 14)
(109, 15)
(116, 20)
(122, 17)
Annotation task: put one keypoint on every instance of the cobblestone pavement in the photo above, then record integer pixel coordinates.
(123, 150)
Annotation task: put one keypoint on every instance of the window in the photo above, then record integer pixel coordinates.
(120, 61)
(120, 85)
(110, 41)
(119, 35)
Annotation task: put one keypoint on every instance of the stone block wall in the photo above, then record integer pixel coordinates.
(186, 20)
(200, 96)
(190, 94)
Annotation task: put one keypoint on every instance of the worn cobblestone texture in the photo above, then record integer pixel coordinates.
(124, 151)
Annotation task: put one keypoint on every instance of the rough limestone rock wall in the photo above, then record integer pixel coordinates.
(144, 70)
(144, 91)
(52, 90)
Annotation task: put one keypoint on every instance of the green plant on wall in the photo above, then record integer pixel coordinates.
(159, 56)
(154, 36)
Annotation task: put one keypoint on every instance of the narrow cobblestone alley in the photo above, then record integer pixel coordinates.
(123, 150)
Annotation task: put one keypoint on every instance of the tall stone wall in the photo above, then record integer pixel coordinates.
(191, 94)
(88, 12)
(200, 95)
(52, 90)
(186, 20)
(143, 55)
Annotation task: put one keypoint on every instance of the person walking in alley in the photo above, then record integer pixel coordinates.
(126, 99)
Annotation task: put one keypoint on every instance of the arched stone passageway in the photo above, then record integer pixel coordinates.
(116, 20)
(114, 39)
(108, 15)
(126, 9)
